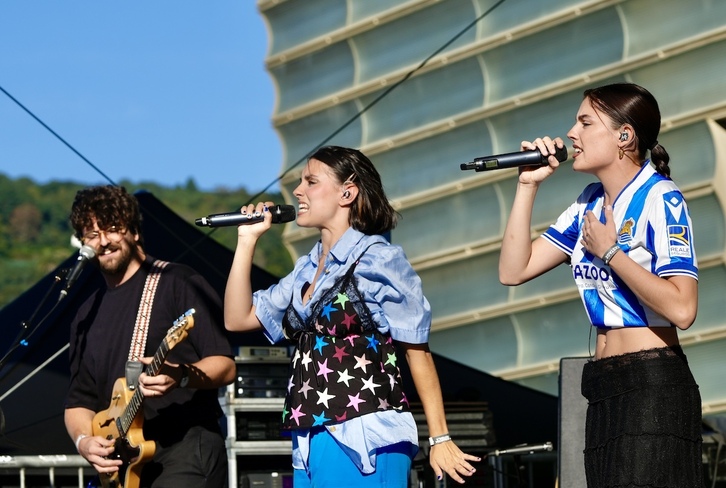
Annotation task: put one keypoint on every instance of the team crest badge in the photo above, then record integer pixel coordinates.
(626, 232)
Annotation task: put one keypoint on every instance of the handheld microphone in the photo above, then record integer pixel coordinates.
(547, 446)
(280, 215)
(514, 160)
(84, 255)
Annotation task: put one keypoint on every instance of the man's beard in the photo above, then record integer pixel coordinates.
(120, 262)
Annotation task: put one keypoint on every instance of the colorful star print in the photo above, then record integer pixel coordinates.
(320, 419)
(373, 342)
(320, 344)
(357, 375)
(329, 308)
(362, 362)
(342, 300)
(355, 401)
(340, 353)
(324, 370)
(306, 359)
(391, 359)
(305, 388)
(297, 414)
(369, 385)
(324, 398)
(349, 321)
(344, 377)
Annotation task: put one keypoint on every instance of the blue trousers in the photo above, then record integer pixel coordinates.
(330, 467)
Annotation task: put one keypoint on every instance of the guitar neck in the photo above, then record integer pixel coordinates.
(158, 360)
(127, 417)
(177, 333)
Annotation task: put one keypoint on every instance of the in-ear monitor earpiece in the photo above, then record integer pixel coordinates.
(623, 136)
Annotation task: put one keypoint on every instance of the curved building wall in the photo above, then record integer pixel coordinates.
(518, 73)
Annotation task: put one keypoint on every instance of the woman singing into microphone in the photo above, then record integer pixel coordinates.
(628, 239)
(348, 305)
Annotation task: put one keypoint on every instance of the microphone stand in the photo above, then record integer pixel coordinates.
(22, 340)
(25, 332)
(516, 452)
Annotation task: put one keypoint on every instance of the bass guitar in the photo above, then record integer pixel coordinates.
(123, 420)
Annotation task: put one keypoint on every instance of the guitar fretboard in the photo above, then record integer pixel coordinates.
(126, 419)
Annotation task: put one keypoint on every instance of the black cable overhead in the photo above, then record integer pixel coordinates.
(380, 97)
(303, 159)
(57, 136)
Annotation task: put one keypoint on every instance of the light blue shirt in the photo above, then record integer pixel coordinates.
(394, 296)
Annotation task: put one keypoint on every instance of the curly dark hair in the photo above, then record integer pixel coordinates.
(371, 212)
(109, 205)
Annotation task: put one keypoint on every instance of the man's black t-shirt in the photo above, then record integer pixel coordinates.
(101, 338)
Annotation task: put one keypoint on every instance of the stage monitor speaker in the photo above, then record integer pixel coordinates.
(573, 408)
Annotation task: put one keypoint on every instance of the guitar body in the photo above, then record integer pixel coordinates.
(131, 449)
(123, 420)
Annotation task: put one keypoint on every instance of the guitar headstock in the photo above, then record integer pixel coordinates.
(179, 331)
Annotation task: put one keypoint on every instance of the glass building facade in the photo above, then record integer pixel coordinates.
(352, 73)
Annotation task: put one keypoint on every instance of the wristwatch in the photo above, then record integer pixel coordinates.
(184, 380)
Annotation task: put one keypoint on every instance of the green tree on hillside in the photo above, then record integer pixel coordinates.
(35, 233)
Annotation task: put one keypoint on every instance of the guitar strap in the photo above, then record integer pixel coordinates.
(143, 318)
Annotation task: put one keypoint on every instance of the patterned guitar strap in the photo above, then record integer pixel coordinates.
(134, 367)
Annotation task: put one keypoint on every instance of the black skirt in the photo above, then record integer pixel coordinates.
(643, 425)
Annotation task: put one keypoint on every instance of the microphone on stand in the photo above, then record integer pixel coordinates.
(280, 215)
(514, 160)
(84, 255)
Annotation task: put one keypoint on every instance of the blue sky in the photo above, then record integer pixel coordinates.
(162, 91)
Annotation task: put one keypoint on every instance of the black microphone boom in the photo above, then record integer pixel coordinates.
(514, 160)
(84, 255)
(280, 215)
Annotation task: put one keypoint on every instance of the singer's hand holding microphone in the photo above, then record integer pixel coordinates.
(534, 157)
(250, 214)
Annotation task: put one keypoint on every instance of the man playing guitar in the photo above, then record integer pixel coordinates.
(124, 320)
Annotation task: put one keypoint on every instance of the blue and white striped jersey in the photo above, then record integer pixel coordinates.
(655, 231)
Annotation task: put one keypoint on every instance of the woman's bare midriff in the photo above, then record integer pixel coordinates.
(614, 342)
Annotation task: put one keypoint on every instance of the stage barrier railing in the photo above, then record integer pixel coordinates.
(21, 466)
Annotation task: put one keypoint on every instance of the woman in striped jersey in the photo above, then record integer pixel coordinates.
(628, 240)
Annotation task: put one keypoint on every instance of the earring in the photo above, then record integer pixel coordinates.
(621, 153)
